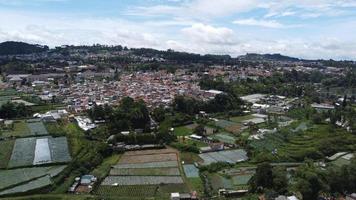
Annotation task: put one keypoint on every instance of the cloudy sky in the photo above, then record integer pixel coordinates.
(302, 28)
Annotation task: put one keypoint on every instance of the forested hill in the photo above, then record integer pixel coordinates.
(271, 57)
(14, 48)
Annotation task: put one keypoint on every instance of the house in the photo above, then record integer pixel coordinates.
(184, 196)
(212, 147)
(322, 107)
(87, 179)
(282, 197)
(351, 196)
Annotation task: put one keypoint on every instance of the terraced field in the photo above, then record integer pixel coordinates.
(304, 143)
(144, 174)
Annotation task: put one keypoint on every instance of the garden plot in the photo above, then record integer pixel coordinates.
(147, 165)
(225, 137)
(42, 152)
(231, 156)
(6, 147)
(167, 171)
(19, 129)
(142, 180)
(17, 176)
(224, 123)
(32, 185)
(36, 151)
(191, 171)
(23, 152)
(151, 152)
(155, 170)
(148, 158)
(141, 191)
(36, 127)
(59, 149)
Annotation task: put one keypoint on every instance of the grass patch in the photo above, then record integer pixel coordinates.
(20, 129)
(196, 184)
(190, 158)
(240, 119)
(140, 191)
(182, 131)
(6, 147)
(53, 197)
(104, 168)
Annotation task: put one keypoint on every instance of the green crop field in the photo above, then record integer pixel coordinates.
(16, 176)
(311, 143)
(127, 191)
(20, 129)
(32, 185)
(167, 171)
(6, 147)
(140, 191)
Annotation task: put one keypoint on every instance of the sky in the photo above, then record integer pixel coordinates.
(311, 29)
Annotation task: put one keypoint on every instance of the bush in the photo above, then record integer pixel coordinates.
(185, 148)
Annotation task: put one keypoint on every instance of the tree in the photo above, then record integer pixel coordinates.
(200, 130)
(280, 180)
(263, 177)
(159, 113)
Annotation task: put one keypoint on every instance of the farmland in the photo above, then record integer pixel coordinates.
(19, 177)
(32, 185)
(5, 152)
(25, 128)
(142, 180)
(167, 171)
(37, 127)
(29, 151)
(150, 173)
(296, 142)
(230, 156)
(19, 129)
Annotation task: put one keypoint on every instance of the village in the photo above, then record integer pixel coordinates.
(191, 133)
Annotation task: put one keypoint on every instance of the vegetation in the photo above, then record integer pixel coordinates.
(13, 110)
(13, 48)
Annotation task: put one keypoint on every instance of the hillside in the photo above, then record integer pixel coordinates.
(15, 48)
(270, 57)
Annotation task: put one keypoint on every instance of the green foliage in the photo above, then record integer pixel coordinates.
(185, 147)
(13, 48)
(159, 114)
(268, 178)
(13, 110)
(129, 115)
(215, 167)
(221, 103)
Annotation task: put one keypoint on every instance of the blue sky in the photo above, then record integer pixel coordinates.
(302, 28)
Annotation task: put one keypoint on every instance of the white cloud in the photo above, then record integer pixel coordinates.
(186, 35)
(262, 23)
(196, 9)
(209, 34)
